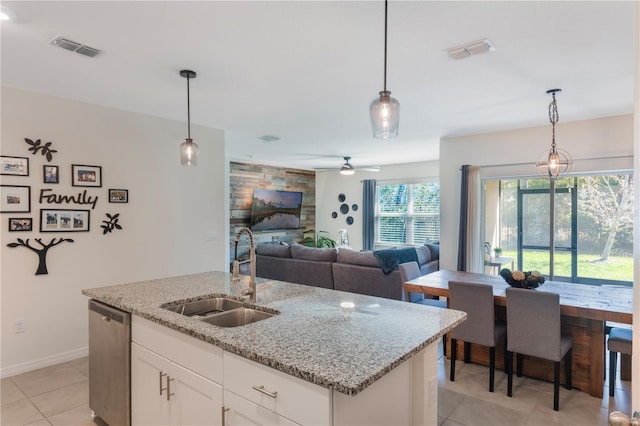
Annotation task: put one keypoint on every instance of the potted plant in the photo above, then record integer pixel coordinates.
(322, 239)
(497, 251)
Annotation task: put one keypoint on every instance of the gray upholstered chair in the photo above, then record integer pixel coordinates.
(410, 271)
(480, 327)
(619, 341)
(533, 328)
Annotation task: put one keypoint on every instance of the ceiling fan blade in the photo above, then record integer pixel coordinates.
(368, 168)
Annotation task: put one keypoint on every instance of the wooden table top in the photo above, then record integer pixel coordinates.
(605, 303)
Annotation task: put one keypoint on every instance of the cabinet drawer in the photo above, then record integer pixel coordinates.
(291, 397)
(198, 356)
(240, 411)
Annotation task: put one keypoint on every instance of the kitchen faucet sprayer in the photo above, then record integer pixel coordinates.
(235, 277)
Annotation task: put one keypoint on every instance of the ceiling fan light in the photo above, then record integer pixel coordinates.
(385, 116)
(347, 170)
(189, 153)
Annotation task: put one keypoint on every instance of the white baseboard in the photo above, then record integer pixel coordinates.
(24, 367)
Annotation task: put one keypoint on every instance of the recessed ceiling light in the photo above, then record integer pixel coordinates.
(473, 48)
(6, 14)
(269, 138)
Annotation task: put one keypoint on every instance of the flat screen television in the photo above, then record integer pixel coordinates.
(274, 209)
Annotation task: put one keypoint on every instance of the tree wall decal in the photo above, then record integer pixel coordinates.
(45, 149)
(41, 252)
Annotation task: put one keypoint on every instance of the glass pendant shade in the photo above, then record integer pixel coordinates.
(554, 163)
(385, 116)
(189, 153)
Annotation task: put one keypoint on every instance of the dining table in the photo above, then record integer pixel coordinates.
(585, 310)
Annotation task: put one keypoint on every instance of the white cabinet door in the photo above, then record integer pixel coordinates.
(242, 412)
(195, 400)
(164, 393)
(148, 406)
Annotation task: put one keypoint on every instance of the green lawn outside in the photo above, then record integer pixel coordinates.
(615, 269)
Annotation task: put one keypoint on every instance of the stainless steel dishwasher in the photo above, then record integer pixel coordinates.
(109, 364)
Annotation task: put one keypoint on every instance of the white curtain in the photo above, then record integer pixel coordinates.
(474, 250)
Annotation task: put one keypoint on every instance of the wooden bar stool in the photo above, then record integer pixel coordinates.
(619, 341)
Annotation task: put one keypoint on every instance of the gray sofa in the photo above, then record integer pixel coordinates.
(339, 269)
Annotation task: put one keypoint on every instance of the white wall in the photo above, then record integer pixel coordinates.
(331, 184)
(170, 208)
(586, 141)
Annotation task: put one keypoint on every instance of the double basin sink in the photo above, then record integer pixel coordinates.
(220, 311)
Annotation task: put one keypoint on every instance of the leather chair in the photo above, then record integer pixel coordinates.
(480, 327)
(533, 328)
(619, 341)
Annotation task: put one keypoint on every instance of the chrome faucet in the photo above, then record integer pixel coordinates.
(251, 291)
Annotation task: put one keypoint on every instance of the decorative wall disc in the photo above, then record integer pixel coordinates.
(349, 220)
(334, 215)
(354, 207)
(341, 198)
(344, 209)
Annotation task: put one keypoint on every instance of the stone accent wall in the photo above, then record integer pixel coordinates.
(244, 178)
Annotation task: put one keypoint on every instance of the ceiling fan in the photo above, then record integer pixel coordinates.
(348, 169)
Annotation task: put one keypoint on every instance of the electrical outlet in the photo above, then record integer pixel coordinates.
(18, 326)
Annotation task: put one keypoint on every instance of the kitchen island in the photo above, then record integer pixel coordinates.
(363, 360)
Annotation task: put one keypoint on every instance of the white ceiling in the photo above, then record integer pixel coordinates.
(306, 71)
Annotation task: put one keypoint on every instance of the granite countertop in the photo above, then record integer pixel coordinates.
(312, 338)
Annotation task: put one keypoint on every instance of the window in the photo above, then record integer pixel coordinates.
(593, 240)
(407, 213)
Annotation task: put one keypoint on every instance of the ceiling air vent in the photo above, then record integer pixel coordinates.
(469, 49)
(76, 47)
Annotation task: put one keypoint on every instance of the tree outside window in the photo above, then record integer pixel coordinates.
(407, 214)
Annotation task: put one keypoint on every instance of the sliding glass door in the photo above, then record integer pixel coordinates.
(533, 223)
(593, 236)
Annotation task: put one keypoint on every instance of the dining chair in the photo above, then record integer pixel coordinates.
(410, 271)
(533, 328)
(480, 326)
(619, 341)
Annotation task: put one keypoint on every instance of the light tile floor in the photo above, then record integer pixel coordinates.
(59, 395)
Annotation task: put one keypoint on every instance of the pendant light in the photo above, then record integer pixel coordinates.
(188, 148)
(554, 163)
(385, 110)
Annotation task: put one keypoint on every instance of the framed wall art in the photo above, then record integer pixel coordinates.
(14, 166)
(82, 175)
(61, 220)
(24, 224)
(50, 174)
(118, 195)
(15, 199)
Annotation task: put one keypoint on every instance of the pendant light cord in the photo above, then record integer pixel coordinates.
(385, 45)
(553, 118)
(188, 111)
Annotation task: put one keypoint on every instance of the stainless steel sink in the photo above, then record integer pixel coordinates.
(237, 317)
(220, 311)
(204, 307)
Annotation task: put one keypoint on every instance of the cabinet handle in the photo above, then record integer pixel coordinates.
(169, 393)
(161, 388)
(224, 411)
(261, 389)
